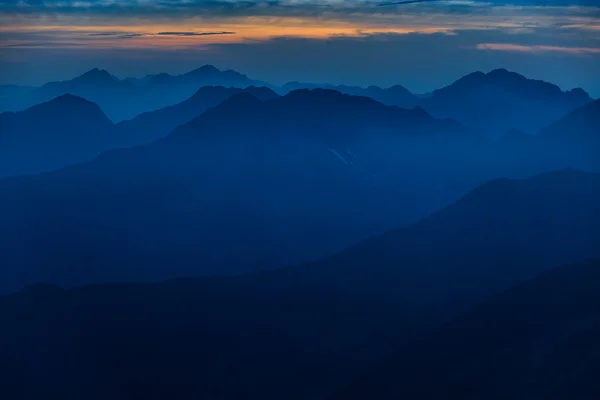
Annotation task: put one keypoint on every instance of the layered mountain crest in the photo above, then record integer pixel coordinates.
(65, 110)
(575, 137)
(581, 124)
(260, 92)
(333, 317)
(153, 125)
(69, 104)
(394, 96)
(53, 134)
(123, 99)
(500, 100)
(287, 159)
(336, 120)
(205, 69)
(539, 338)
(95, 76)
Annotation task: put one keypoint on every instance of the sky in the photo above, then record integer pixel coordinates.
(420, 44)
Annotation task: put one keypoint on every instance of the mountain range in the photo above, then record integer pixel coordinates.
(125, 98)
(246, 185)
(209, 236)
(491, 103)
(537, 340)
(305, 331)
(153, 125)
(500, 100)
(393, 96)
(297, 177)
(63, 131)
(69, 129)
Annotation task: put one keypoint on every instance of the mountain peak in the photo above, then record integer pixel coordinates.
(306, 93)
(261, 93)
(500, 72)
(69, 98)
(579, 94)
(204, 70)
(95, 75)
(68, 104)
(505, 75)
(244, 99)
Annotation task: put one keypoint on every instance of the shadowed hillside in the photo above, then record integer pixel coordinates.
(125, 98)
(153, 125)
(298, 332)
(247, 185)
(65, 130)
(537, 340)
(500, 100)
(393, 96)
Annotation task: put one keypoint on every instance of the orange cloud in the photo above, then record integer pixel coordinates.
(537, 48)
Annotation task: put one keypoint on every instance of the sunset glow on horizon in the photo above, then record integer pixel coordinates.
(225, 32)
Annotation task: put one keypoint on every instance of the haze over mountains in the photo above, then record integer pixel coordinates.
(242, 187)
(69, 129)
(500, 100)
(206, 235)
(125, 98)
(538, 339)
(492, 102)
(311, 326)
(394, 96)
(63, 131)
(263, 166)
(153, 125)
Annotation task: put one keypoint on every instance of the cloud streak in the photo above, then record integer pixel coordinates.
(195, 33)
(398, 3)
(519, 48)
(116, 35)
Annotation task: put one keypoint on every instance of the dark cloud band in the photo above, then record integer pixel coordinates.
(195, 33)
(398, 3)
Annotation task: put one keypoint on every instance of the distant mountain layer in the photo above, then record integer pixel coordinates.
(573, 140)
(245, 186)
(492, 103)
(8, 94)
(153, 125)
(501, 233)
(500, 100)
(69, 129)
(63, 131)
(581, 125)
(537, 340)
(302, 332)
(326, 115)
(393, 96)
(124, 99)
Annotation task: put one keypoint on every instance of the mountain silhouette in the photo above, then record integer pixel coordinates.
(247, 185)
(572, 141)
(328, 115)
(501, 233)
(95, 77)
(65, 130)
(539, 339)
(8, 95)
(393, 96)
(126, 98)
(577, 135)
(314, 326)
(156, 124)
(500, 100)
